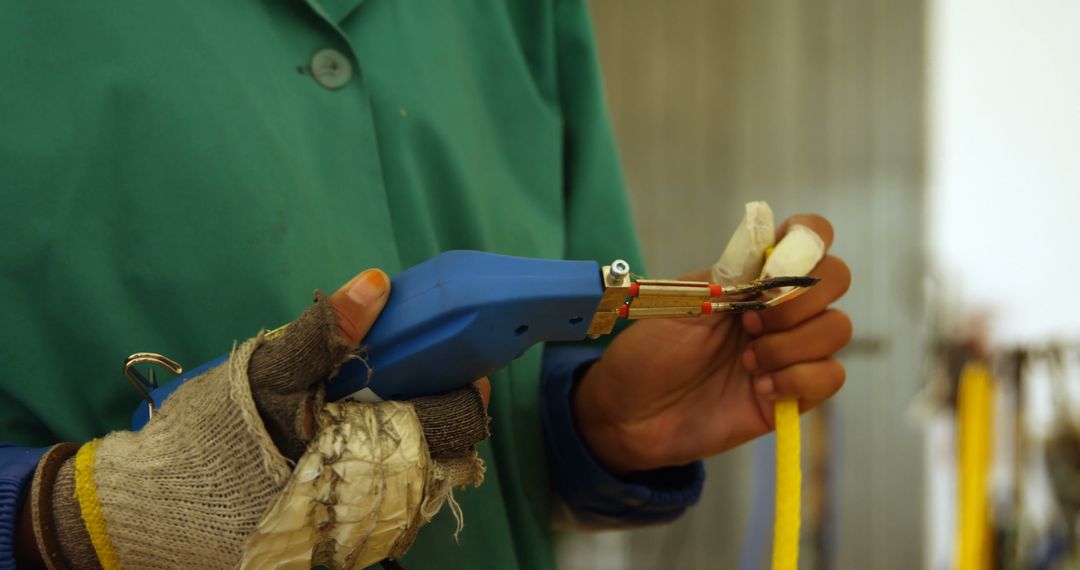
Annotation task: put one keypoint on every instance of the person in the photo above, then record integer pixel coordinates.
(181, 176)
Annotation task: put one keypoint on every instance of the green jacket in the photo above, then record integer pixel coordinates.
(178, 175)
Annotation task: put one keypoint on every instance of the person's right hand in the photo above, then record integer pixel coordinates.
(670, 392)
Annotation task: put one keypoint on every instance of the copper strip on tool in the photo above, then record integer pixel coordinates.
(662, 312)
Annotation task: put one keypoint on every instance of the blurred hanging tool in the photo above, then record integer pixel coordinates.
(465, 314)
(975, 429)
(1063, 446)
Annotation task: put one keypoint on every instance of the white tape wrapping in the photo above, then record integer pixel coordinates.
(355, 497)
(744, 260)
(744, 255)
(796, 254)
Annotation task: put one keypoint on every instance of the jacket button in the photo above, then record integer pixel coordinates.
(330, 68)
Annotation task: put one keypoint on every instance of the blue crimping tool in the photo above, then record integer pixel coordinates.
(465, 314)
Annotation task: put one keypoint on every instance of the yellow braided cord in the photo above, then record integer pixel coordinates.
(974, 417)
(86, 492)
(788, 486)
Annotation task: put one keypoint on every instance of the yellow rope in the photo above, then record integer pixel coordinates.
(788, 486)
(974, 421)
(788, 482)
(86, 493)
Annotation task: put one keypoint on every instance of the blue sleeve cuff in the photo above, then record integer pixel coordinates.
(593, 494)
(16, 469)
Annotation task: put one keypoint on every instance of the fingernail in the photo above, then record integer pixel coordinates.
(752, 324)
(763, 385)
(749, 360)
(369, 287)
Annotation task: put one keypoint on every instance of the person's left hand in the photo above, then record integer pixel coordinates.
(669, 392)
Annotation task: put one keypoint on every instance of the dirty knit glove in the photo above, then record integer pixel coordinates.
(364, 488)
(190, 488)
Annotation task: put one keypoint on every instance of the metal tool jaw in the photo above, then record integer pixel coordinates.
(630, 298)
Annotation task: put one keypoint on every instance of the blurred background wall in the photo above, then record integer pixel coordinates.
(1004, 165)
(814, 106)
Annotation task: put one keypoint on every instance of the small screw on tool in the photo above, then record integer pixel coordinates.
(619, 269)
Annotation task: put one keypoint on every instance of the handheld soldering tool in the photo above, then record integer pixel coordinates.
(465, 314)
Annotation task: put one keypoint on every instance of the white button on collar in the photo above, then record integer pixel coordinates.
(331, 68)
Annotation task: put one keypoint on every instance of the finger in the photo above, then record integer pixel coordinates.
(835, 281)
(357, 304)
(816, 339)
(753, 324)
(483, 385)
(817, 223)
(307, 351)
(453, 422)
(809, 382)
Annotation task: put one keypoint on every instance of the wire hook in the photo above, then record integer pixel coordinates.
(143, 384)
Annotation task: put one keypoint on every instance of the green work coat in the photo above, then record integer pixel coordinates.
(178, 175)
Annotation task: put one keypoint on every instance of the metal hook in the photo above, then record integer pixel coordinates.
(144, 384)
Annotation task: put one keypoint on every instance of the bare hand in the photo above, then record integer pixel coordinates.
(669, 392)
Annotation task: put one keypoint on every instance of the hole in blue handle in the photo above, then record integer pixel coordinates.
(576, 320)
(521, 330)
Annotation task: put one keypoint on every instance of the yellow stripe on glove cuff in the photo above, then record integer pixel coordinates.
(86, 492)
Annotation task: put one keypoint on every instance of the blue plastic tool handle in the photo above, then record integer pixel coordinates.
(454, 318)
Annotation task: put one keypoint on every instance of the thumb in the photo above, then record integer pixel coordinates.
(307, 351)
(357, 304)
(285, 371)
(484, 386)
